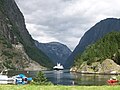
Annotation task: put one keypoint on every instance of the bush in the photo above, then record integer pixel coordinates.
(9, 54)
(40, 79)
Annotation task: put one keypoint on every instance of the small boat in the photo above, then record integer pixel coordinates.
(112, 81)
(58, 67)
(21, 79)
(17, 79)
(4, 79)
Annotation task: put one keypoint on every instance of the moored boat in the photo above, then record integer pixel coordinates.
(17, 79)
(112, 81)
(4, 79)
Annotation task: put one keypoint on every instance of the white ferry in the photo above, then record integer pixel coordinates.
(58, 67)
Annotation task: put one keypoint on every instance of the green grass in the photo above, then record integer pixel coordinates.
(38, 87)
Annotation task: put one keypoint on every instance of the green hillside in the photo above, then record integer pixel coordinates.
(13, 32)
(106, 47)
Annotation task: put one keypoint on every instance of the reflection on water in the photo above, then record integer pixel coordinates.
(69, 78)
(60, 77)
(64, 77)
(91, 79)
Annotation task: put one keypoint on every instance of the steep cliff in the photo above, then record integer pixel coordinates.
(95, 55)
(93, 34)
(56, 51)
(15, 41)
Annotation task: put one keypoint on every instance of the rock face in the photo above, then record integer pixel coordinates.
(17, 47)
(56, 51)
(107, 66)
(94, 34)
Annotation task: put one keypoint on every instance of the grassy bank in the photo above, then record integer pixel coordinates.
(38, 87)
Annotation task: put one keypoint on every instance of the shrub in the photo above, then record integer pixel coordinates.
(40, 79)
(9, 54)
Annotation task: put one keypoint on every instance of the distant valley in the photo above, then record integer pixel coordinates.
(56, 51)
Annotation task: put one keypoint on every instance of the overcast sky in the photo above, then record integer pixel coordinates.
(65, 21)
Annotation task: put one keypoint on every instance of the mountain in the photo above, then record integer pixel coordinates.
(95, 56)
(93, 34)
(16, 44)
(56, 51)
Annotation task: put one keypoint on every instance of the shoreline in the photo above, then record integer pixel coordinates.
(99, 73)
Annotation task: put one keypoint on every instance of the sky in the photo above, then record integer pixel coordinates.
(65, 21)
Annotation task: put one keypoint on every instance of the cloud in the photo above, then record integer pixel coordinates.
(41, 36)
(65, 21)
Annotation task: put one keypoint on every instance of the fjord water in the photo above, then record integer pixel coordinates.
(65, 77)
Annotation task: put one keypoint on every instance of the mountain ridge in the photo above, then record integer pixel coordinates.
(13, 32)
(93, 34)
(56, 51)
(107, 48)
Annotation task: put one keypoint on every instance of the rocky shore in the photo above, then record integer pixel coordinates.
(108, 66)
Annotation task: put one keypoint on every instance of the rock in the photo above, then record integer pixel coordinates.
(34, 66)
(113, 72)
(73, 69)
(108, 66)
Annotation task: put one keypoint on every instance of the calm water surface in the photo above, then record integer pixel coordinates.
(64, 77)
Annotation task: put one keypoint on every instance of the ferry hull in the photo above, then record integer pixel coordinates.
(58, 68)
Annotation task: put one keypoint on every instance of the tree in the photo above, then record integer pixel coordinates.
(40, 79)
